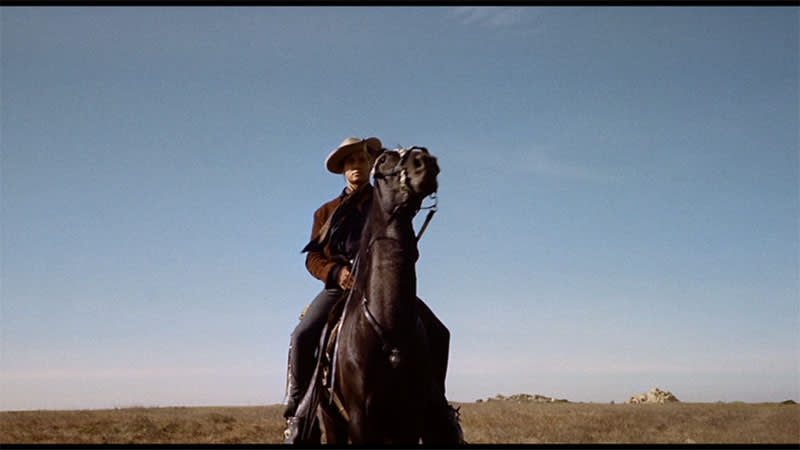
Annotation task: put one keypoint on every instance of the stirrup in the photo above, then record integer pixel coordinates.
(294, 427)
(292, 431)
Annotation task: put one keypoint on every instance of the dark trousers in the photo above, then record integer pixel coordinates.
(305, 338)
(439, 342)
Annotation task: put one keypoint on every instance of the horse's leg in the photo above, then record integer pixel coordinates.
(315, 436)
(364, 426)
(407, 430)
(335, 427)
(359, 431)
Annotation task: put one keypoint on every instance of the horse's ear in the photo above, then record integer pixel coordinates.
(375, 161)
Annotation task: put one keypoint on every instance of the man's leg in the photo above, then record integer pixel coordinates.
(439, 342)
(442, 424)
(303, 343)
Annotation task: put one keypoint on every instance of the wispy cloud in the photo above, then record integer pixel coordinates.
(488, 15)
(548, 163)
(543, 164)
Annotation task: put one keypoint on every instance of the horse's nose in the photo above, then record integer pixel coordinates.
(422, 162)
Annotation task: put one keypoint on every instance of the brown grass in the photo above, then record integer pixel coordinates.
(675, 423)
(212, 425)
(484, 423)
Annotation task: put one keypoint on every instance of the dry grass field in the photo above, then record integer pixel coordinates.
(493, 422)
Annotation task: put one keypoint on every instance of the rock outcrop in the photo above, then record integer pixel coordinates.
(525, 398)
(655, 395)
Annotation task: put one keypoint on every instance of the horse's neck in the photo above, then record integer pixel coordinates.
(392, 286)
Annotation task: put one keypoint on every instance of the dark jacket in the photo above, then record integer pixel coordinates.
(335, 234)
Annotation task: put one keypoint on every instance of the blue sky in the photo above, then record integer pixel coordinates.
(618, 202)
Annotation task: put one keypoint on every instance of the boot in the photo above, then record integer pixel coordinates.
(452, 428)
(442, 424)
(293, 395)
(296, 379)
(300, 416)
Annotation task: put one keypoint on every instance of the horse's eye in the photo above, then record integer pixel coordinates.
(388, 156)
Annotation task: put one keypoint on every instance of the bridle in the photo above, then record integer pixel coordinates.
(405, 186)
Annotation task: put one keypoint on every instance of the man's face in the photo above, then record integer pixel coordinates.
(356, 167)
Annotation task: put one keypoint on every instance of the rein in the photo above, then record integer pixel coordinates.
(386, 347)
(431, 211)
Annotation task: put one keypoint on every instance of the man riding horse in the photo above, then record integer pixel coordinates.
(335, 237)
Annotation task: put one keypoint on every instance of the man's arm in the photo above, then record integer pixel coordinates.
(318, 265)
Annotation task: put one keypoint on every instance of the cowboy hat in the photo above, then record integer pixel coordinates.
(335, 161)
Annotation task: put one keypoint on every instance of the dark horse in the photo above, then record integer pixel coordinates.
(382, 368)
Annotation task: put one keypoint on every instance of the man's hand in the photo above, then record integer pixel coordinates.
(345, 278)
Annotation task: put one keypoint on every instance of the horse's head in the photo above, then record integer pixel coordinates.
(405, 176)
